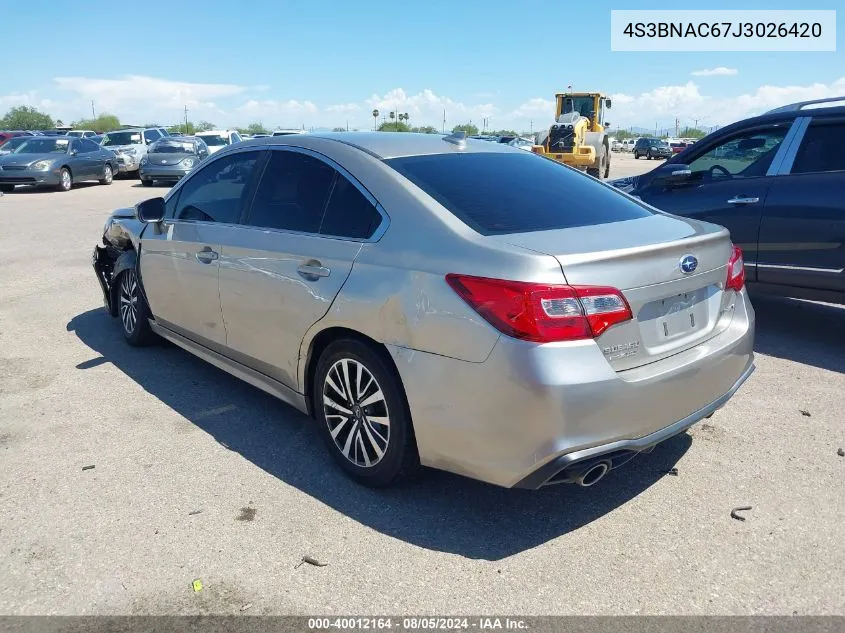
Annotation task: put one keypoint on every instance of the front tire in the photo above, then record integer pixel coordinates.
(133, 310)
(146, 182)
(65, 180)
(363, 415)
(108, 175)
(7, 188)
(636, 155)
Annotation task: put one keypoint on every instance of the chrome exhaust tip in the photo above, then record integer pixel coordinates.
(592, 476)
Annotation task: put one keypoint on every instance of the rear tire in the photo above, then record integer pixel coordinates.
(146, 182)
(636, 155)
(108, 175)
(363, 415)
(132, 309)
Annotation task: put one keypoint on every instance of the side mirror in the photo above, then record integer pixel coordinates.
(74, 152)
(607, 124)
(669, 175)
(150, 211)
(607, 103)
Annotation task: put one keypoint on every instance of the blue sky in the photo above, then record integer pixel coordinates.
(319, 63)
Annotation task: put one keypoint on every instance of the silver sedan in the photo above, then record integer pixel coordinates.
(439, 301)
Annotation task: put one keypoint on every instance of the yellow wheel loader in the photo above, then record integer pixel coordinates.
(577, 137)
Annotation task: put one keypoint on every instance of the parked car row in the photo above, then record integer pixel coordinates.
(55, 161)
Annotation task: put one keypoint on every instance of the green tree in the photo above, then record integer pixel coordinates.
(692, 132)
(502, 132)
(338, 129)
(426, 129)
(393, 126)
(256, 128)
(204, 126)
(469, 128)
(103, 123)
(25, 118)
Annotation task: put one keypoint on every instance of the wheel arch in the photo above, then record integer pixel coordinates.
(128, 259)
(325, 338)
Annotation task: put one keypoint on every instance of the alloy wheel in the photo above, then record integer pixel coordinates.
(356, 413)
(66, 180)
(129, 301)
(108, 174)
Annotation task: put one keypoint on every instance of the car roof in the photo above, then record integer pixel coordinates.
(211, 132)
(385, 145)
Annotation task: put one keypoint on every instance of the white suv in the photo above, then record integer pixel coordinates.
(218, 139)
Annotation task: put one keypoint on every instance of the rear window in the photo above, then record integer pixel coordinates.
(497, 194)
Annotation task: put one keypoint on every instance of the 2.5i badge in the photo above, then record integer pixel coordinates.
(623, 350)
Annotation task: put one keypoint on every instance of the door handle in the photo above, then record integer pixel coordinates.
(313, 271)
(743, 200)
(206, 255)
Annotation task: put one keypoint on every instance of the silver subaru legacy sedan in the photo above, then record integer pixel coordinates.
(439, 301)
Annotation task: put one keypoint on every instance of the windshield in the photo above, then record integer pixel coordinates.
(581, 105)
(75, 133)
(214, 139)
(122, 138)
(12, 143)
(500, 193)
(171, 146)
(33, 145)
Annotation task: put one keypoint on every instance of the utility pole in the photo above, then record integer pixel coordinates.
(677, 127)
(93, 116)
(444, 120)
(186, 120)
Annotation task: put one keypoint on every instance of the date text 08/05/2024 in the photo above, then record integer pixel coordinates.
(417, 623)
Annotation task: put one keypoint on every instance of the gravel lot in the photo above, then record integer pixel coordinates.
(199, 476)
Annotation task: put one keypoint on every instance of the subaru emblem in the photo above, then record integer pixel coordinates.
(688, 264)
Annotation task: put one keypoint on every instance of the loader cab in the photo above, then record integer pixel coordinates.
(589, 104)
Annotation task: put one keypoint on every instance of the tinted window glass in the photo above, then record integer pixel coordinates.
(513, 193)
(86, 146)
(152, 135)
(746, 155)
(823, 149)
(216, 192)
(292, 193)
(349, 213)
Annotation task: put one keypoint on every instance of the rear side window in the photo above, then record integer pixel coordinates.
(822, 149)
(496, 194)
(292, 193)
(349, 213)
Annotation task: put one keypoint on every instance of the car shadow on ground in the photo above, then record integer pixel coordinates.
(49, 189)
(801, 331)
(437, 510)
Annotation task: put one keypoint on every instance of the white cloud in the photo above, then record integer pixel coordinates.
(719, 71)
(142, 98)
(289, 113)
(344, 107)
(427, 108)
(536, 108)
(686, 102)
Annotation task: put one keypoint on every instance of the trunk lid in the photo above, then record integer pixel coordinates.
(674, 308)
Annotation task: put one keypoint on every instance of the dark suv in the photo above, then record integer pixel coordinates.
(777, 182)
(652, 148)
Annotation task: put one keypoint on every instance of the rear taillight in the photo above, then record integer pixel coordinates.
(542, 312)
(736, 270)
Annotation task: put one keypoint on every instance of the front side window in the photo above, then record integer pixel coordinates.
(501, 193)
(822, 149)
(86, 146)
(292, 193)
(216, 192)
(746, 155)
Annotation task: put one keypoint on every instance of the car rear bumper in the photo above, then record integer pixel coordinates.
(529, 413)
